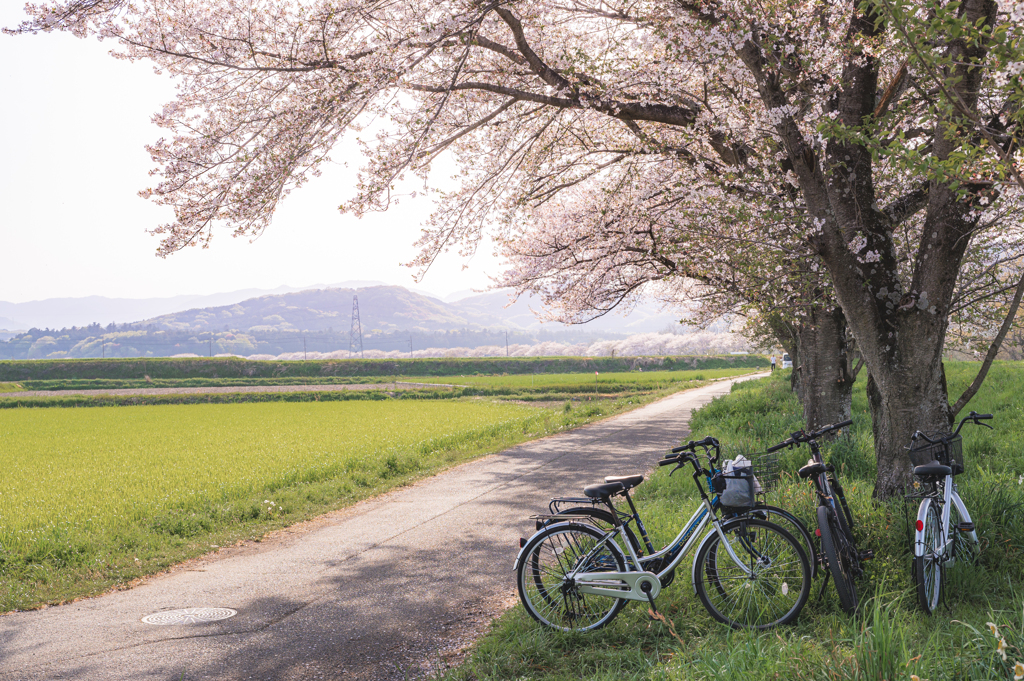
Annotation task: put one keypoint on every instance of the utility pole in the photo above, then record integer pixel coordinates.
(303, 348)
(506, 343)
(211, 347)
(103, 349)
(410, 344)
(355, 334)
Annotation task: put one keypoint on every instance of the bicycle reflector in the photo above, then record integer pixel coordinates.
(919, 525)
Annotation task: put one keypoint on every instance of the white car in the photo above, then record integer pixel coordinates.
(787, 363)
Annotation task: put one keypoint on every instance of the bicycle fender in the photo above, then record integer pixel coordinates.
(922, 515)
(693, 570)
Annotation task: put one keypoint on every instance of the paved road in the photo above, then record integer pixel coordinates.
(371, 592)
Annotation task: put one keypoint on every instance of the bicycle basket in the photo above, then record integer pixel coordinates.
(736, 486)
(948, 450)
(766, 469)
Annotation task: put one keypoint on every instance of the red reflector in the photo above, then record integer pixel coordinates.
(919, 525)
(817, 531)
(522, 542)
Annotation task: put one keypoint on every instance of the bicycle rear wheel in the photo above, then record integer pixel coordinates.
(966, 548)
(837, 549)
(770, 585)
(549, 593)
(929, 564)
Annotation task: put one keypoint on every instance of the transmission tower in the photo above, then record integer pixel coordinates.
(355, 335)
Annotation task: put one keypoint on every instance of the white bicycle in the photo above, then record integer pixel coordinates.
(944, 533)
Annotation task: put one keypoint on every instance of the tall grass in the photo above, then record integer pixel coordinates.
(888, 639)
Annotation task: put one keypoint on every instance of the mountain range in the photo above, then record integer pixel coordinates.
(382, 308)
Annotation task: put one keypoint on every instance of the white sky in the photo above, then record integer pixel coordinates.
(73, 128)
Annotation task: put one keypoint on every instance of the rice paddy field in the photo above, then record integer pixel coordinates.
(977, 634)
(94, 498)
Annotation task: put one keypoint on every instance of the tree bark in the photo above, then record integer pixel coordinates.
(826, 377)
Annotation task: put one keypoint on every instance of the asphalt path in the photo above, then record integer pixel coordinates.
(384, 589)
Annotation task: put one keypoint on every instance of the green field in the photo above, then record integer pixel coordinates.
(93, 498)
(234, 367)
(890, 638)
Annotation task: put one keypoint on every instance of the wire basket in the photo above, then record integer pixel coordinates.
(766, 469)
(948, 451)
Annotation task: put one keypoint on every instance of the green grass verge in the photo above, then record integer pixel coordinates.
(10, 388)
(93, 499)
(230, 367)
(889, 639)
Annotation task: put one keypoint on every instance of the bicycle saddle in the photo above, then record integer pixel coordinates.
(932, 469)
(603, 491)
(628, 481)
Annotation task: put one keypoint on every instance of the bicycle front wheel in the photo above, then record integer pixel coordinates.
(929, 564)
(546, 587)
(792, 524)
(966, 549)
(768, 583)
(837, 549)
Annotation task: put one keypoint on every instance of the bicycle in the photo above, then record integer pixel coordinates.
(748, 573)
(835, 521)
(765, 468)
(944, 532)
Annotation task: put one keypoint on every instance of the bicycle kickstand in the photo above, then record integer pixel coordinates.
(824, 583)
(650, 598)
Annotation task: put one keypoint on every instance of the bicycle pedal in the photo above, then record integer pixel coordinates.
(866, 554)
(965, 527)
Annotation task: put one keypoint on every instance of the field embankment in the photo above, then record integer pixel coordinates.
(889, 639)
(237, 368)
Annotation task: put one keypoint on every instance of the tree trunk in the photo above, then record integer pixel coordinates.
(825, 376)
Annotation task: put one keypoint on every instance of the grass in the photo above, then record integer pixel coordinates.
(534, 388)
(95, 498)
(888, 639)
(10, 387)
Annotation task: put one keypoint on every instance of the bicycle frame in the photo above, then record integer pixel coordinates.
(611, 583)
(949, 496)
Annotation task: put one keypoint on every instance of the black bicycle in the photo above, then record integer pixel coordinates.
(835, 521)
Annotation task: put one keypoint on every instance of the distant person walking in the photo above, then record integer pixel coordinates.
(772, 360)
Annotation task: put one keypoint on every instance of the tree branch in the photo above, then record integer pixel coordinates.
(993, 350)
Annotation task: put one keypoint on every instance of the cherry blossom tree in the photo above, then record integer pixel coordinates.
(877, 114)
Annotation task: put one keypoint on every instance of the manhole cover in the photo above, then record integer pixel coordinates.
(189, 616)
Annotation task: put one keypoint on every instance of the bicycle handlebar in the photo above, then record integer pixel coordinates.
(707, 443)
(800, 436)
(974, 417)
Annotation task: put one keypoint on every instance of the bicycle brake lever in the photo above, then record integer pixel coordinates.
(678, 466)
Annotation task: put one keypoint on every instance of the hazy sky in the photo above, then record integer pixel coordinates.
(73, 128)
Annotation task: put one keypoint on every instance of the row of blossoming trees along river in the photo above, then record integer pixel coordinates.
(844, 174)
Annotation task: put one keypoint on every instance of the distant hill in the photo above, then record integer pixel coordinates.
(388, 309)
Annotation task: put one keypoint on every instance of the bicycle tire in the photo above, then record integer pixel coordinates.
(836, 556)
(779, 572)
(846, 517)
(541, 575)
(602, 516)
(929, 565)
(774, 514)
(965, 544)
